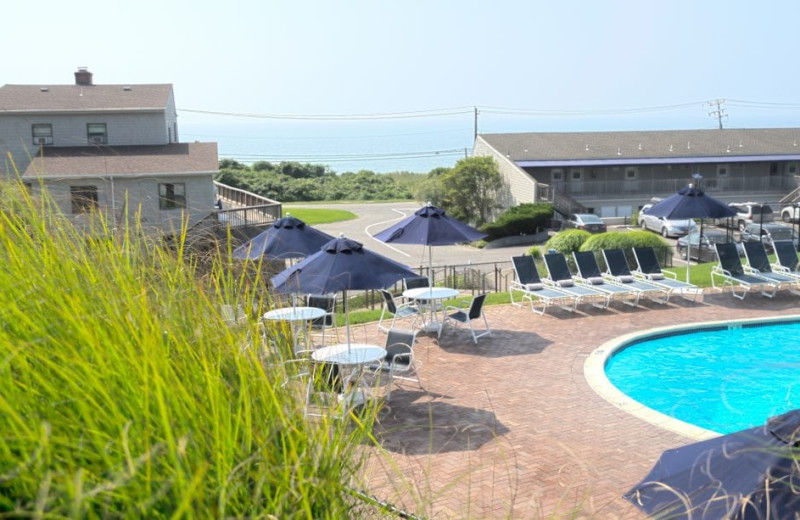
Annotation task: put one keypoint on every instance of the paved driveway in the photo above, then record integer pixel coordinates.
(375, 217)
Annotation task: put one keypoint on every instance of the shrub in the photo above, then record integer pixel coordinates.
(568, 241)
(626, 241)
(535, 252)
(525, 219)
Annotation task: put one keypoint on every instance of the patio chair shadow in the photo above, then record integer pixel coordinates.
(501, 343)
(782, 300)
(411, 426)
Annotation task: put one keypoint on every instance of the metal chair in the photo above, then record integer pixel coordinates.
(319, 326)
(397, 310)
(319, 385)
(399, 362)
(469, 314)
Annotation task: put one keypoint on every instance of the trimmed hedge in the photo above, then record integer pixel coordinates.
(525, 219)
(568, 241)
(626, 241)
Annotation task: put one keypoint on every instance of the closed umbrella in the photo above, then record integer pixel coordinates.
(288, 237)
(691, 202)
(341, 265)
(750, 474)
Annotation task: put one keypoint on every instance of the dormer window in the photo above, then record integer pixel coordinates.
(96, 133)
(42, 134)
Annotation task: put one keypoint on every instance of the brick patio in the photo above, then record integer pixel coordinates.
(509, 428)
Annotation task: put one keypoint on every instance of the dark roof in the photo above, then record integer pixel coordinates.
(71, 98)
(88, 161)
(585, 148)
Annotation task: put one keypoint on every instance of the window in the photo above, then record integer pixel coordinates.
(576, 174)
(773, 169)
(557, 175)
(42, 134)
(792, 168)
(84, 198)
(171, 196)
(722, 170)
(631, 173)
(96, 133)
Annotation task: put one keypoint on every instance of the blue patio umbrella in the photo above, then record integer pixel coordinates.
(288, 237)
(750, 474)
(341, 265)
(691, 202)
(429, 226)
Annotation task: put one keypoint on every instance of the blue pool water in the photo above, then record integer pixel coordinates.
(722, 380)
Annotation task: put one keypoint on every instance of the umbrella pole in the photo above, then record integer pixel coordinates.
(346, 319)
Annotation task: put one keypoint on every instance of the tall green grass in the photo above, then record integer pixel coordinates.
(124, 393)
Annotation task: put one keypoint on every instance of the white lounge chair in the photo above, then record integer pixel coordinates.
(539, 294)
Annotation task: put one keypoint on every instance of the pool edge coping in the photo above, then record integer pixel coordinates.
(595, 375)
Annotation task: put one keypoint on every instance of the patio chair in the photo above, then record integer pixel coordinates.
(468, 314)
(399, 363)
(785, 257)
(731, 272)
(590, 274)
(758, 265)
(320, 326)
(396, 309)
(619, 271)
(649, 270)
(534, 290)
(319, 384)
(233, 315)
(559, 275)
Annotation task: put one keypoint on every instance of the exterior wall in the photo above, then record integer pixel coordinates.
(138, 128)
(519, 187)
(171, 120)
(141, 194)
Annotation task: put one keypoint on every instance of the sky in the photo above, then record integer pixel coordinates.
(317, 78)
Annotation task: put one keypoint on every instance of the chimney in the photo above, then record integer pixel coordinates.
(83, 77)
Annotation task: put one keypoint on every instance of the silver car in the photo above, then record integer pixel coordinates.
(667, 227)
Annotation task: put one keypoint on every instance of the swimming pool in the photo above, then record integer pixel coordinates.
(704, 379)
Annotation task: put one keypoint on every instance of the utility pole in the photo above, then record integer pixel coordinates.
(475, 124)
(718, 112)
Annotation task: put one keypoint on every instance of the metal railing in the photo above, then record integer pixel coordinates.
(649, 187)
(245, 208)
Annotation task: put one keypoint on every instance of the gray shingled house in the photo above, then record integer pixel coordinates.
(615, 173)
(110, 148)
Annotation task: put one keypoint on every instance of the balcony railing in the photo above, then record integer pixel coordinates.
(243, 208)
(635, 187)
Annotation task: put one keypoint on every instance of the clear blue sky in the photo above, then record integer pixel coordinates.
(596, 59)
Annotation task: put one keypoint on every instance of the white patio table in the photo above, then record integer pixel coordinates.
(298, 317)
(429, 296)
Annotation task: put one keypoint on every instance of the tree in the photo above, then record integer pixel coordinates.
(470, 189)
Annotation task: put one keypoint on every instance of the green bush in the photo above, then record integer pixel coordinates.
(535, 252)
(525, 219)
(626, 241)
(568, 241)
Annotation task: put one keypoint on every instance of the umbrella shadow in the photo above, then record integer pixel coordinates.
(501, 343)
(414, 426)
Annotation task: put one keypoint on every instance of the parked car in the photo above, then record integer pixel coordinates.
(667, 227)
(767, 233)
(585, 221)
(702, 249)
(748, 212)
(790, 213)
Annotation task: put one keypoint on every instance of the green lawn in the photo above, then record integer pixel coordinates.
(314, 216)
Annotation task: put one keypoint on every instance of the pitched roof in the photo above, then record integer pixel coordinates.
(135, 161)
(55, 98)
(552, 148)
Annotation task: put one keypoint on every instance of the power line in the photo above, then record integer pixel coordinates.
(339, 117)
(344, 157)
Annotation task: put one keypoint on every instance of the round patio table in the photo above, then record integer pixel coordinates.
(298, 317)
(428, 296)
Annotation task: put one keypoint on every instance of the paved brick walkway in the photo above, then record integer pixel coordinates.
(509, 428)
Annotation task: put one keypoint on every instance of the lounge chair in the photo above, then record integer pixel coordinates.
(648, 269)
(731, 271)
(786, 257)
(758, 265)
(534, 290)
(619, 271)
(589, 273)
(558, 274)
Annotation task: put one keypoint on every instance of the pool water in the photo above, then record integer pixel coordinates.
(722, 380)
